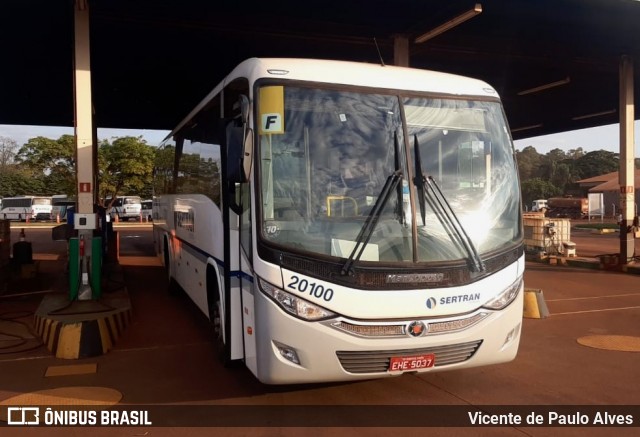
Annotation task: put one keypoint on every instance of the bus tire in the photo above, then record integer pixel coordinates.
(173, 288)
(223, 349)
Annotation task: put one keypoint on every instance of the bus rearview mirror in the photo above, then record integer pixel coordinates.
(247, 154)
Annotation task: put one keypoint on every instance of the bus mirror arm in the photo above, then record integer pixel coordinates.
(247, 135)
(239, 142)
(244, 108)
(235, 152)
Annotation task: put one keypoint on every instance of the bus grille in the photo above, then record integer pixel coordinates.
(378, 361)
(400, 330)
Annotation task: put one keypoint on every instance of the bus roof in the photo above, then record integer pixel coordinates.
(362, 74)
(27, 197)
(350, 73)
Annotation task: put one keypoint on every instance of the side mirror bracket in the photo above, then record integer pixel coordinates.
(239, 144)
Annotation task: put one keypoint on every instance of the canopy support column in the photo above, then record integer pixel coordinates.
(401, 50)
(627, 168)
(85, 218)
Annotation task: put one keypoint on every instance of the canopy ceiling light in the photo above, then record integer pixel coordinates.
(449, 24)
(564, 81)
(595, 114)
(533, 126)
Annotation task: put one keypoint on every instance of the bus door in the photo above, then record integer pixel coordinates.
(238, 157)
(245, 234)
(246, 276)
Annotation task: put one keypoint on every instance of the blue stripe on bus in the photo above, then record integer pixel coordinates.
(234, 273)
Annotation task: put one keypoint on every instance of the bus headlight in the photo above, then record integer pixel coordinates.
(293, 304)
(506, 297)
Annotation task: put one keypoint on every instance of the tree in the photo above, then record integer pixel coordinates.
(575, 153)
(8, 147)
(560, 170)
(528, 162)
(51, 162)
(126, 167)
(597, 163)
(17, 183)
(538, 188)
(163, 177)
(549, 164)
(562, 176)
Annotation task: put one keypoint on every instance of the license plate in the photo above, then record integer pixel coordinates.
(404, 364)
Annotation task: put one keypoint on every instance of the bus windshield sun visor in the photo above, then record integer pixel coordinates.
(392, 183)
(429, 191)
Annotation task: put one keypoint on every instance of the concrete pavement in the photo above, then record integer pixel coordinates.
(166, 357)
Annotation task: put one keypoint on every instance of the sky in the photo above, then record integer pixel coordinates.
(598, 138)
(591, 139)
(22, 133)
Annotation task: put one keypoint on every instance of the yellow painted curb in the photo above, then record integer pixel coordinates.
(603, 231)
(72, 339)
(69, 341)
(534, 305)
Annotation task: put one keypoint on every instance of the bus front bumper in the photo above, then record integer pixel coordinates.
(326, 354)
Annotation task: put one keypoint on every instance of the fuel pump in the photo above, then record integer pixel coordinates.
(85, 259)
(84, 290)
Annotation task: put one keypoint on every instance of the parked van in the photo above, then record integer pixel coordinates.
(125, 208)
(147, 213)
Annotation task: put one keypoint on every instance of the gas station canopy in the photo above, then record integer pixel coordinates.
(555, 63)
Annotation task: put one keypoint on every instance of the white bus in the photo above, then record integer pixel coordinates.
(343, 221)
(61, 203)
(26, 207)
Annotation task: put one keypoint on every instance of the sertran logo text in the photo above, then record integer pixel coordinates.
(472, 297)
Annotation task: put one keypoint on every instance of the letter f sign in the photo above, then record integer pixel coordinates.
(271, 119)
(272, 123)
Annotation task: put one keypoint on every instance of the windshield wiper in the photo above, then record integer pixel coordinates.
(372, 219)
(392, 182)
(429, 190)
(399, 193)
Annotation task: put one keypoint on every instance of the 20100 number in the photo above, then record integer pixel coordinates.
(315, 290)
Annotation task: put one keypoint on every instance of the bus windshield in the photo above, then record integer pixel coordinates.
(42, 201)
(324, 165)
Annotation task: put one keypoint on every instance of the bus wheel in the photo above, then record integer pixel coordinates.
(223, 350)
(173, 288)
(218, 335)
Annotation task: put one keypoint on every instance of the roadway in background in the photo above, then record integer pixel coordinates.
(589, 243)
